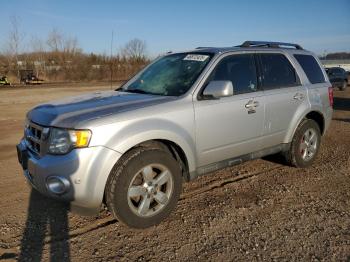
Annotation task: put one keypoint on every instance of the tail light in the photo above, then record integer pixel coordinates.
(330, 96)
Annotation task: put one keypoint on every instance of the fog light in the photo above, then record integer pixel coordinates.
(57, 185)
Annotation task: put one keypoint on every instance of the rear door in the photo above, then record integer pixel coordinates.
(230, 126)
(283, 94)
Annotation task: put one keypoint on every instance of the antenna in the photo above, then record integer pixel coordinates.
(111, 58)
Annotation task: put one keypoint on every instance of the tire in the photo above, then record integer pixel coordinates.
(132, 186)
(344, 86)
(303, 150)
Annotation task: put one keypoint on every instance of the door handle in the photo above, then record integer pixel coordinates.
(251, 104)
(298, 96)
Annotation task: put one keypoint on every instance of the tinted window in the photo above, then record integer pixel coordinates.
(335, 71)
(240, 70)
(338, 71)
(330, 71)
(311, 68)
(277, 71)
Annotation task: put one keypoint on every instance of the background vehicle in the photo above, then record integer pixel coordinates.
(29, 78)
(4, 81)
(338, 77)
(185, 115)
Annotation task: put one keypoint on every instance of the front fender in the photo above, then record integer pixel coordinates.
(137, 132)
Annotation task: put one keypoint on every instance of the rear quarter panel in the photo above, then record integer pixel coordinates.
(317, 96)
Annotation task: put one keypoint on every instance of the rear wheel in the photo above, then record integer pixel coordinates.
(305, 144)
(144, 187)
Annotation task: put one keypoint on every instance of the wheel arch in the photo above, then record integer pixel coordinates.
(318, 118)
(315, 115)
(177, 138)
(173, 148)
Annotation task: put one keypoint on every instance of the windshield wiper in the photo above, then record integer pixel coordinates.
(137, 91)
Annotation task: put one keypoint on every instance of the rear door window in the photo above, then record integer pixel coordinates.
(311, 68)
(338, 71)
(331, 71)
(277, 71)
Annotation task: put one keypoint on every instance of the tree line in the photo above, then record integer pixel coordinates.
(60, 58)
(336, 56)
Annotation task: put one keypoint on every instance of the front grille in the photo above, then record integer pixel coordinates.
(35, 131)
(33, 136)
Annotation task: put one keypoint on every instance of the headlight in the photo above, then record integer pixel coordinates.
(64, 140)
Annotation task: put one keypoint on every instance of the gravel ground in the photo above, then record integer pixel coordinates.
(260, 210)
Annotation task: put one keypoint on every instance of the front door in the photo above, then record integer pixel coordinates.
(231, 126)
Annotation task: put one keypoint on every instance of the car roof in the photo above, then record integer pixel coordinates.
(335, 67)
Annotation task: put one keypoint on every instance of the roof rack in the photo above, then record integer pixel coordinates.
(269, 44)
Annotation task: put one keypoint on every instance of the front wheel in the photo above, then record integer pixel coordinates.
(305, 144)
(144, 187)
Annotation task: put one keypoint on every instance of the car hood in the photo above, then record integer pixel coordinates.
(70, 112)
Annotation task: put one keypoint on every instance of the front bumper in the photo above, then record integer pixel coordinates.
(86, 169)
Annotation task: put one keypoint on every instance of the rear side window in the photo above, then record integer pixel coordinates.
(311, 68)
(240, 70)
(277, 71)
(338, 71)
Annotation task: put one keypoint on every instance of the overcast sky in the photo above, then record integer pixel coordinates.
(179, 24)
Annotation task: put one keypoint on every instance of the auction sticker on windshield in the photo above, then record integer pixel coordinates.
(196, 57)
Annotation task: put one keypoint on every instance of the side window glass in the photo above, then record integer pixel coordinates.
(240, 70)
(311, 68)
(338, 71)
(334, 72)
(277, 71)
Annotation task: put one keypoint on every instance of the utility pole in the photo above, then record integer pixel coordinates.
(111, 58)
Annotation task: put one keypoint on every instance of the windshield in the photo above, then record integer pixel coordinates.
(171, 75)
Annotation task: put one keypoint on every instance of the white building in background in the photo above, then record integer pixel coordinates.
(39, 63)
(337, 63)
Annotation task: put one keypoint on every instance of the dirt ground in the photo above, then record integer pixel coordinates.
(260, 210)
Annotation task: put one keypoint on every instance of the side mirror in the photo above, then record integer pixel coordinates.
(217, 89)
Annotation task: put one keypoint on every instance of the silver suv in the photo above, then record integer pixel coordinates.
(184, 115)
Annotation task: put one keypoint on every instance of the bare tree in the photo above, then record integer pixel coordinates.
(59, 57)
(37, 44)
(64, 52)
(134, 49)
(70, 45)
(59, 42)
(55, 40)
(14, 42)
(37, 47)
